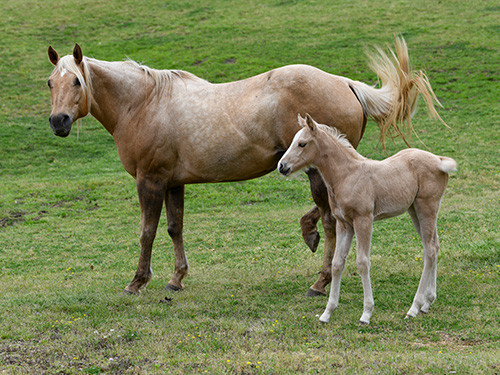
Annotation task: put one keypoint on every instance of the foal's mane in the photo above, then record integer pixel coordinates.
(341, 139)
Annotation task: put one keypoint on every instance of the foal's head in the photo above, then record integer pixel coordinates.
(69, 89)
(303, 150)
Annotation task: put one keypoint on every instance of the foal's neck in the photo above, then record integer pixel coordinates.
(335, 161)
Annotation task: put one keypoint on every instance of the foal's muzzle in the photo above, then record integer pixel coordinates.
(61, 124)
(284, 169)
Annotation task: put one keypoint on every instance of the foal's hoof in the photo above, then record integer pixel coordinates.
(314, 293)
(312, 241)
(173, 288)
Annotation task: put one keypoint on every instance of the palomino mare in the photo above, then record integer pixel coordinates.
(362, 191)
(172, 128)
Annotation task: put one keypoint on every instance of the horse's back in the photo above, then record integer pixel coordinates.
(302, 89)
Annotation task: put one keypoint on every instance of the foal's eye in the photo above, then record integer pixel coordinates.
(302, 144)
(49, 84)
(77, 82)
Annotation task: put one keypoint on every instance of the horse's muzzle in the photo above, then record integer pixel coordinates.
(61, 124)
(284, 169)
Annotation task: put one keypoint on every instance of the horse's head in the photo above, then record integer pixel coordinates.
(69, 90)
(302, 151)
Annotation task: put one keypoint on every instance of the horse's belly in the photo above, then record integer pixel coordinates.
(224, 167)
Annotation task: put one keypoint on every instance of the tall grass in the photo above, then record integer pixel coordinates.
(69, 216)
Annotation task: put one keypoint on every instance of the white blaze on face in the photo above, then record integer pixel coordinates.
(63, 72)
(294, 141)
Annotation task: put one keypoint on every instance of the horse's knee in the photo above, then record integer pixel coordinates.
(431, 255)
(363, 264)
(337, 267)
(148, 235)
(174, 229)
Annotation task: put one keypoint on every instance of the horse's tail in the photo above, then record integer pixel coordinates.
(393, 105)
(447, 165)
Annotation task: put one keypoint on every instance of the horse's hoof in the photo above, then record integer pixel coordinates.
(363, 324)
(131, 291)
(173, 288)
(324, 318)
(314, 293)
(312, 241)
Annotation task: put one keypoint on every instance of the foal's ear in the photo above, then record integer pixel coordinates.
(310, 122)
(302, 121)
(53, 56)
(77, 54)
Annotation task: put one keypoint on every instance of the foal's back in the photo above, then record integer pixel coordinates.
(411, 174)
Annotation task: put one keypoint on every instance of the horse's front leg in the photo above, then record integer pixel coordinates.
(363, 228)
(151, 196)
(175, 215)
(320, 195)
(345, 234)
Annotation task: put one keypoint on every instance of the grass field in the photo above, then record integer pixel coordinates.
(69, 215)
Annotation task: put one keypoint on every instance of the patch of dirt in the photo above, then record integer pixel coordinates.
(13, 218)
(19, 217)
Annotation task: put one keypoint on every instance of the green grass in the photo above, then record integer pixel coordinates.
(69, 215)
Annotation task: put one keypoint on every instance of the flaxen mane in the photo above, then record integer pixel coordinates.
(163, 78)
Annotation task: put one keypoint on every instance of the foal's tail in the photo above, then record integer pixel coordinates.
(393, 105)
(447, 165)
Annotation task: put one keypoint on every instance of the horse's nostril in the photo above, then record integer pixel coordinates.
(283, 169)
(61, 124)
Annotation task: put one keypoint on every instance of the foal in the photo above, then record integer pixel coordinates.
(361, 191)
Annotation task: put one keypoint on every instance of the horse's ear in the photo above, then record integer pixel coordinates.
(53, 56)
(302, 121)
(310, 122)
(77, 54)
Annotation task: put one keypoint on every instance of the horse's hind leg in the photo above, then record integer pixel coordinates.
(320, 196)
(426, 214)
(308, 224)
(175, 215)
(151, 197)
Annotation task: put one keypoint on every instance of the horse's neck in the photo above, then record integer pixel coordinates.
(116, 90)
(335, 162)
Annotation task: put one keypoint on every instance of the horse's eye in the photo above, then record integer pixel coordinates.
(302, 144)
(49, 84)
(77, 82)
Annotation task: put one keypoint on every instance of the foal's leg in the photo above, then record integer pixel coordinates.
(151, 197)
(363, 227)
(175, 213)
(320, 196)
(426, 293)
(344, 240)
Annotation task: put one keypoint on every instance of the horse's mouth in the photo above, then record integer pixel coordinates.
(61, 124)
